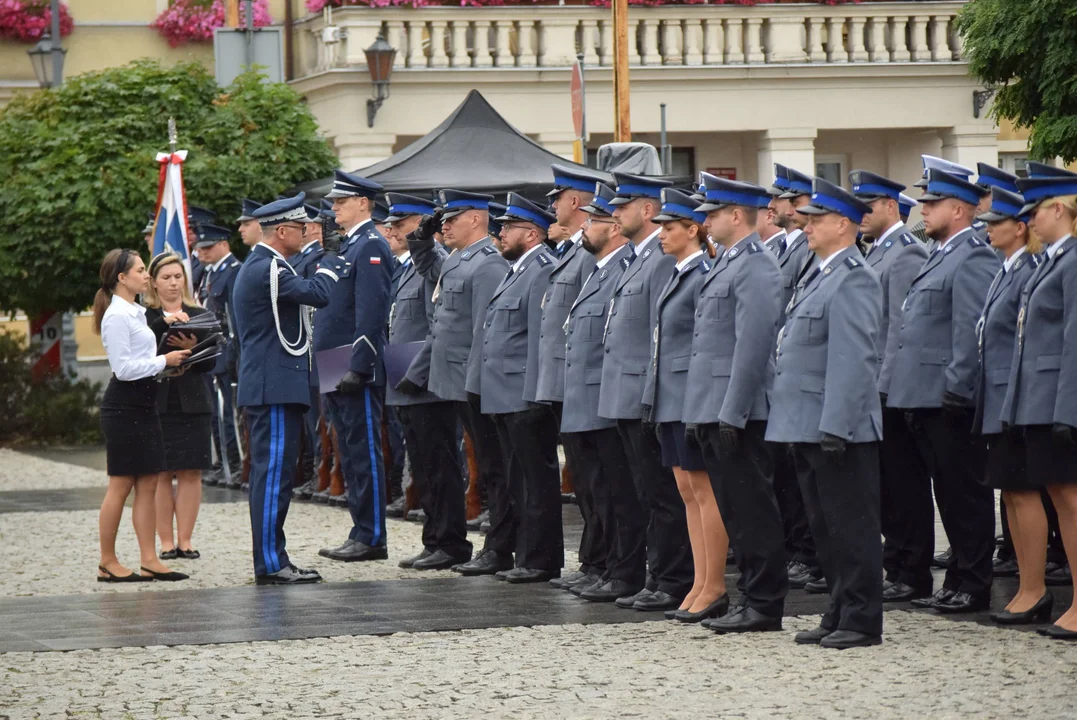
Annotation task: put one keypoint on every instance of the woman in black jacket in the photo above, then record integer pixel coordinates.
(183, 404)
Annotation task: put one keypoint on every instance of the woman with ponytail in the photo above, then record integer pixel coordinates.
(134, 447)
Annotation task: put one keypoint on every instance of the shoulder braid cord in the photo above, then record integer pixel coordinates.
(302, 344)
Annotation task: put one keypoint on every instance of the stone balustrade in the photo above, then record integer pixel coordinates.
(686, 35)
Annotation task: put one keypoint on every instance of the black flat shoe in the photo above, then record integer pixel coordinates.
(963, 602)
(1058, 633)
(900, 592)
(187, 554)
(1040, 612)
(110, 578)
(811, 637)
(170, 576)
(941, 595)
(845, 639)
(744, 620)
(658, 600)
(168, 554)
(716, 609)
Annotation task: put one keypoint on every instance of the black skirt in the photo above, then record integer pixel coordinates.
(187, 441)
(1048, 462)
(677, 449)
(132, 429)
(1006, 468)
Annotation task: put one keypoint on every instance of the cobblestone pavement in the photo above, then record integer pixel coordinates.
(22, 471)
(928, 667)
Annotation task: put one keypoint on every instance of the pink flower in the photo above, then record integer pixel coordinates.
(195, 20)
(28, 20)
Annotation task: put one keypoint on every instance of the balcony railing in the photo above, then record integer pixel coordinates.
(687, 35)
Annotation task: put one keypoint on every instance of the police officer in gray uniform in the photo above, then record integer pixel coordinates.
(664, 546)
(464, 282)
(896, 257)
(592, 441)
(930, 162)
(933, 379)
(429, 422)
(826, 402)
(731, 367)
(526, 430)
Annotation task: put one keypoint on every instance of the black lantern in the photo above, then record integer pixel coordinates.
(379, 60)
(41, 56)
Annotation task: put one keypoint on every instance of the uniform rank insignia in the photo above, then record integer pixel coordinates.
(466, 255)
(489, 250)
(754, 247)
(907, 239)
(733, 253)
(705, 266)
(976, 242)
(851, 262)
(625, 262)
(950, 248)
(544, 260)
(375, 261)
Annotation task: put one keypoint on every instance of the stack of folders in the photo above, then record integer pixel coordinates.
(210, 342)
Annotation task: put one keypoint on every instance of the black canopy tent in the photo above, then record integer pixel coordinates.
(474, 149)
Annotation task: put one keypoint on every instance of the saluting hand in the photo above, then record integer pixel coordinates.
(332, 241)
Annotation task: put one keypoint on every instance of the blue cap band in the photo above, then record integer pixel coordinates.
(1046, 192)
(734, 198)
(468, 203)
(651, 191)
(869, 189)
(988, 181)
(564, 182)
(956, 191)
(839, 206)
(404, 209)
(603, 205)
(683, 211)
(520, 213)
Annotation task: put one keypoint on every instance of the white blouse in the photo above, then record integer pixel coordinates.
(130, 344)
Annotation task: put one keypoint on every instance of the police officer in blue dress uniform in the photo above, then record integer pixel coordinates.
(651, 524)
(429, 422)
(725, 408)
(273, 375)
(826, 402)
(197, 216)
(355, 317)
(896, 256)
(464, 281)
(221, 269)
(933, 380)
(526, 430)
(592, 441)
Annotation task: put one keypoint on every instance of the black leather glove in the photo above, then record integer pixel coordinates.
(694, 432)
(332, 241)
(1064, 435)
(647, 418)
(408, 387)
(352, 382)
(729, 438)
(428, 226)
(954, 403)
(833, 446)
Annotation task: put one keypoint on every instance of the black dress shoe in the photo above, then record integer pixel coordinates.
(625, 603)
(811, 637)
(658, 600)
(743, 619)
(290, 575)
(304, 491)
(487, 562)
(1059, 577)
(943, 559)
(561, 582)
(592, 583)
(482, 517)
(321, 497)
(1040, 612)
(485, 527)
(845, 639)
(716, 609)
(438, 560)
(963, 602)
(1058, 633)
(326, 552)
(585, 580)
(900, 592)
(168, 554)
(1004, 568)
(359, 552)
(521, 575)
(795, 568)
(816, 587)
(941, 595)
(568, 498)
(406, 563)
(340, 501)
(395, 509)
(610, 591)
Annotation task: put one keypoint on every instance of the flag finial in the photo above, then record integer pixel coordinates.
(173, 137)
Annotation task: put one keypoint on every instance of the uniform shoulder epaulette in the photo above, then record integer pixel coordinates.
(544, 259)
(625, 262)
(1036, 260)
(976, 242)
(853, 263)
(705, 266)
(489, 250)
(908, 239)
(754, 247)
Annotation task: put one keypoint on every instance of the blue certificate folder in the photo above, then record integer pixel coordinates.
(398, 359)
(332, 365)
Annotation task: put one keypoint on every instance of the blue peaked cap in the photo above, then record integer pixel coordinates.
(633, 187)
(573, 178)
(520, 208)
(454, 202)
(1005, 205)
(906, 204)
(826, 197)
(781, 181)
(289, 209)
(601, 203)
(1046, 187)
(208, 235)
(799, 184)
(247, 208)
(720, 193)
(989, 176)
(348, 185)
(402, 206)
(869, 186)
(942, 185)
(679, 205)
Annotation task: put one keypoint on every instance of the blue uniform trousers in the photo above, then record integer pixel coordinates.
(275, 433)
(357, 418)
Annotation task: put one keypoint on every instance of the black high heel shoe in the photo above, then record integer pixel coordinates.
(170, 576)
(718, 608)
(1040, 612)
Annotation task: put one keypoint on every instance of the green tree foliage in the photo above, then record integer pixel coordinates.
(79, 173)
(1028, 50)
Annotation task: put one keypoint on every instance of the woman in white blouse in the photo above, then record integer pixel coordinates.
(133, 444)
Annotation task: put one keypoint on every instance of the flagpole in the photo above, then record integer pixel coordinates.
(622, 121)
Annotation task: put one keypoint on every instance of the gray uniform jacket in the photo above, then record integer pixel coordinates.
(936, 341)
(409, 321)
(667, 375)
(565, 283)
(791, 263)
(465, 281)
(776, 244)
(825, 376)
(736, 325)
(896, 260)
(510, 341)
(1043, 378)
(997, 335)
(584, 327)
(629, 328)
